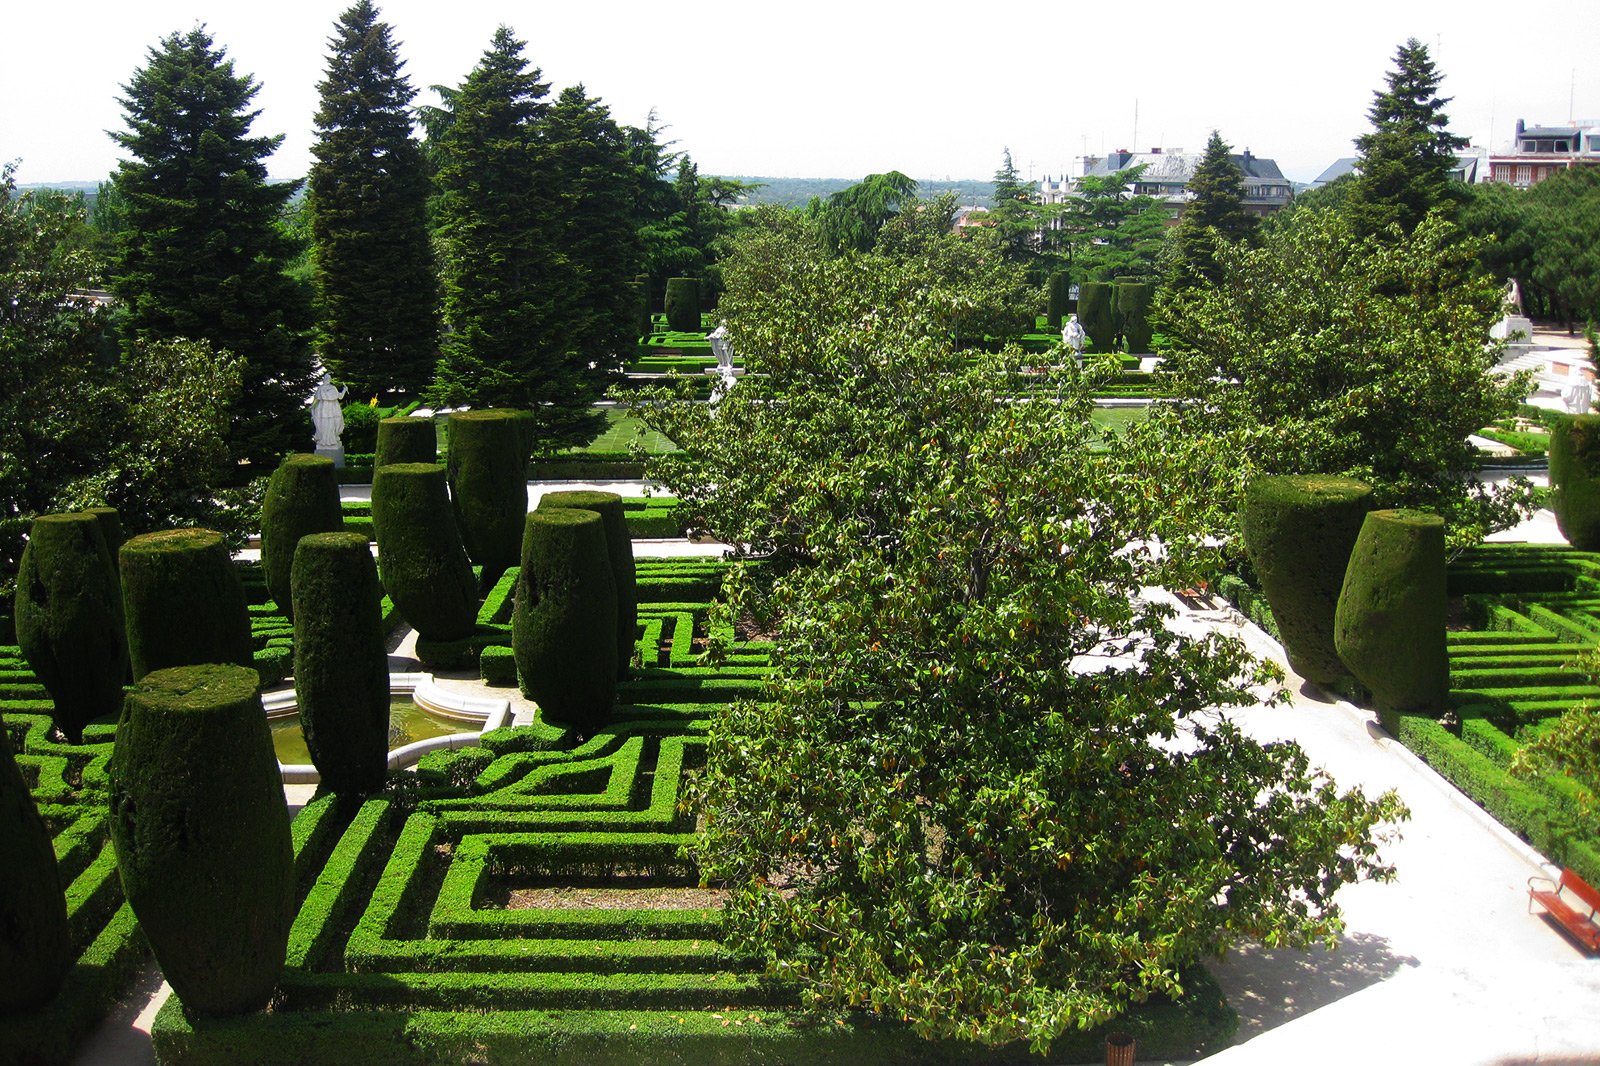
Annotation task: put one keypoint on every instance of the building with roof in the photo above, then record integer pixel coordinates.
(1167, 173)
(1539, 151)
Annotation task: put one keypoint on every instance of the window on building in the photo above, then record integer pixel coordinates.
(1524, 175)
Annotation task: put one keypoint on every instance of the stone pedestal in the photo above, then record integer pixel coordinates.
(335, 453)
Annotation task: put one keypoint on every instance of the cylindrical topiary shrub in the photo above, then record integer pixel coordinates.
(406, 440)
(683, 305)
(201, 833)
(341, 667)
(564, 625)
(489, 486)
(420, 558)
(640, 289)
(1390, 626)
(111, 529)
(1298, 531)
(619, 547)
(1575, 479)
(69, 619)
(1097, 313)
(1133, 307)
(1059, 298)
(35, 949)
(302, 497)
(183, 601)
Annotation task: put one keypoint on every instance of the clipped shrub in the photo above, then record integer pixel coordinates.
(35, 949)
(683, 304)
(421, 561)
(619, 549)
(1390, 625)
(1298, 531)
(640, 288)
(406, 440)
(201, 833)
(489, 486)
(68, 614)
(1575, 479)
(183, 601)
(111, 529)
(563, 629)
(302, 497)
(1060, 298)
(1133, 308)
(360, 428)
(341, 666)
(1097, 311)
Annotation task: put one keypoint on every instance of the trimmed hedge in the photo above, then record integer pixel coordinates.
(1097, 312)
(1298, 532)
(341, 665)
(1389, 627)
(564, 626)
(202, 835)
(1575, 479)
(1059, 299)
(302, 497)
(110, 528)
(422, 563)
(1133, 309)
(35, 948)
(406, 440)
(619, 548)
(69, 619)
(183, 602)
(683, 305)
(488, 485)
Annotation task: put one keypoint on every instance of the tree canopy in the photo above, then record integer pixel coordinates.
(850, 219)
(1215, 212)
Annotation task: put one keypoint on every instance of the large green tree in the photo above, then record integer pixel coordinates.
(1014, 217)
(1107, 230)
(202, 255)
(376, 288)
(1404, 164)
(1547, 237)
(1215, 212)
(850, 219)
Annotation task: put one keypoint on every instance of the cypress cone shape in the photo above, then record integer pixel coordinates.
(201, 833)
(406, 440)
(1575, 480)
(69, 619)
(488, 472)
(341, 667)
(683, 305)
(563, 627)
(302, 497)
(183, 601)
(619, 549)
(420, 558)
(1298, 531)
(1390, 625)
(35, 949)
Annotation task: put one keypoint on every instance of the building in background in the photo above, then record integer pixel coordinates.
(1166, 176)
(1539, 151)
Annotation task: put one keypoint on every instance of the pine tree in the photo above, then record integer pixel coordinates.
(1012, 214)
(1215, 212)
(202, 256)
(1405, 162)
(376, 291)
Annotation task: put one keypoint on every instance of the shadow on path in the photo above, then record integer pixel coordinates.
(1270, 986)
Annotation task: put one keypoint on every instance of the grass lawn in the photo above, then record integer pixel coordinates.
(622, 429)
(1116, 418)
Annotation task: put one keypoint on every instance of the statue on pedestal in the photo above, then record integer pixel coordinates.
(1074, 338)
(327, 419)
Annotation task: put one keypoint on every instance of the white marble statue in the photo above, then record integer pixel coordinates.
(327, 416)
(1074, 337)
(721, 347)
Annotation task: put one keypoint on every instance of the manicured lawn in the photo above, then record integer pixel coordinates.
(622, 429)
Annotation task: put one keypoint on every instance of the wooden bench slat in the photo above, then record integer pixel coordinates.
(1578, 922)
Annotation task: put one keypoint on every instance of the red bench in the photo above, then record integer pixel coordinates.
(1571, 902)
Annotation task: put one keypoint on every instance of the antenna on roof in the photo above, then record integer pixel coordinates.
(1135, 121)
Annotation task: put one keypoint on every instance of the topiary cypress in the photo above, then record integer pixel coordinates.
(302, 497)
(1060, 297)
(1390, 625)
(489, 486)
(683, 305)
(35, 948)
(183, 602)
(1097, 313)
(1298, 531)
(641, 296)
(619, 549)
(69, 619)
(1575, 479)
(564, 624)
(420, 558)
(341, 666)
(201, 833)
(406, 440)
(111, 529)
(1133, 308)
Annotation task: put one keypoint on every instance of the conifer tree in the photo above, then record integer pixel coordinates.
(1214, 213)
(1405, 162)
(1013, 216)
(376, 291)
(202, 256)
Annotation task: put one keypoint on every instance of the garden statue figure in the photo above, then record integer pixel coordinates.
(1073, 336)
(1578, 397)
(721, 347)
(327, 419)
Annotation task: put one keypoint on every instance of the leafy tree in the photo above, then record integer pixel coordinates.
(851, 218)
(1325, 351)
(1547, 237)
(1405, 162)
(1108, 231)
(203, 256)
(960, 802)
(1215, 211)
(376, 290)
(1571, 745)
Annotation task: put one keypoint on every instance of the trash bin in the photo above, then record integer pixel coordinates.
(1121, 1048)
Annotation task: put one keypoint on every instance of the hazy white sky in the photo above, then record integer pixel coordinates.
(830, 88)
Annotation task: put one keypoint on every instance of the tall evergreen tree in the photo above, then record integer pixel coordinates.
(1215, 212)
(376, 291)
(1403, 171)
(202, 255)
(1015, 221)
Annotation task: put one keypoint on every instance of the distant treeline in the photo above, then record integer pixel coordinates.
(797, 192)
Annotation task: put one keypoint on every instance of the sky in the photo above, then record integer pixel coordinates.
(837, 89)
